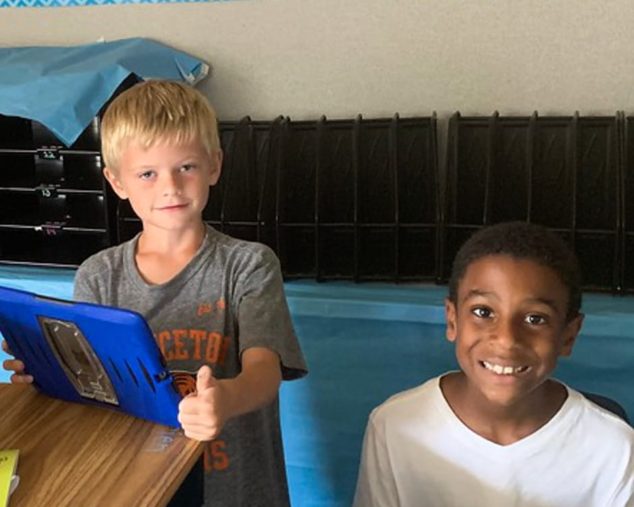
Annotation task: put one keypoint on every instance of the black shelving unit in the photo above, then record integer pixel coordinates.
(562, 172)
(54, 204)
(55, 207)
(627, 209)
(354, 199)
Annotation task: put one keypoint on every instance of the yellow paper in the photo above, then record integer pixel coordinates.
(8, 465)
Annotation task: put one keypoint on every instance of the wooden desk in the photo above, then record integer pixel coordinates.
(76, 455)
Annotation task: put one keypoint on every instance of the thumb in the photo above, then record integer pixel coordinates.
(204, 379)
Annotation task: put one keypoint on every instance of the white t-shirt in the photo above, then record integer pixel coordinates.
(417, 453)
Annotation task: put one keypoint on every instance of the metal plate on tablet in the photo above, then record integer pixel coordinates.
(78, 360)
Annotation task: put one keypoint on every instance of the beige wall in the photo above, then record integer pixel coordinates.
(342, 57)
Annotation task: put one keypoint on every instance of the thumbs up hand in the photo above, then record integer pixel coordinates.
(203, 414)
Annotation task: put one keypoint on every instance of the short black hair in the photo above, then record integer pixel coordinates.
(521, 240)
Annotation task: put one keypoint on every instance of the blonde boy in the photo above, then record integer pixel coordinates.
(216, 304)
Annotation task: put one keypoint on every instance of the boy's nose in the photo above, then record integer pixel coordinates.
(171, 184)
(507, 334)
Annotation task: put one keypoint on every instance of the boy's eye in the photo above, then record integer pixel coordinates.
(187, 167)
(146, 175)
(482, 312)
(535, 320)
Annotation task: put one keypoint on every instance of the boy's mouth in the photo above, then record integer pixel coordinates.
(171, 207)
(500, 369)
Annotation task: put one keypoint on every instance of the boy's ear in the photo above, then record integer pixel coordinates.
(216, 167)
(452, 325)
(115, 183)
(570, 332)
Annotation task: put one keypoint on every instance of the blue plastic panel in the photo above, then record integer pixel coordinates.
(121, 340)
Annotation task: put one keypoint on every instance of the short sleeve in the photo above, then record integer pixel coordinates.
(263, 316)
(83, 290)
(376, 486)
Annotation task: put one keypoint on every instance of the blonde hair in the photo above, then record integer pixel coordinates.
(157, 110)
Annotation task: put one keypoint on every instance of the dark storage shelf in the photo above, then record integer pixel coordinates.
(58, 190)
(36, 247)
(53, 228)
(73, 171)
(561, 172)
(20, 134)
(55, 207)
(356, 199)
(86, 211)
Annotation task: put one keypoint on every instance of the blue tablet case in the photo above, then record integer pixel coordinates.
(90, 354)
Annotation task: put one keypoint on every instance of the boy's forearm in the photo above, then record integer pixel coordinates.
(257, 385)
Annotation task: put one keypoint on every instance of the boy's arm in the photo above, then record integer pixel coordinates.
(258, 383)
(204, 413)
(267, 345)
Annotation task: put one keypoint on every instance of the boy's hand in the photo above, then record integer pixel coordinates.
(203, 414)
(16, 366)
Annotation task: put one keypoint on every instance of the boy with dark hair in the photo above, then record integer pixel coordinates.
(500, 431)
(215, 304)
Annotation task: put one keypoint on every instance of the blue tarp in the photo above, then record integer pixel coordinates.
(65, 87)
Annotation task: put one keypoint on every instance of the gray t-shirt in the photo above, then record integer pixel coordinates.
(230, 297)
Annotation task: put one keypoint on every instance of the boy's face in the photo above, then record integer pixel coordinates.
(167, 184)
(509, 327)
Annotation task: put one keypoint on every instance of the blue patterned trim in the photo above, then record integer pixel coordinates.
(79, 3)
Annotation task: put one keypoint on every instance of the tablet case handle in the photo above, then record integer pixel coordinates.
(78, 360)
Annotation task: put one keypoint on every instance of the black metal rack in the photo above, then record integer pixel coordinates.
(562, 172)
(626, 264)
(356, 199)
(53, 201)
(55, 207)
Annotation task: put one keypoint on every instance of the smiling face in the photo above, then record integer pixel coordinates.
(509, 326)
(167, 183)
